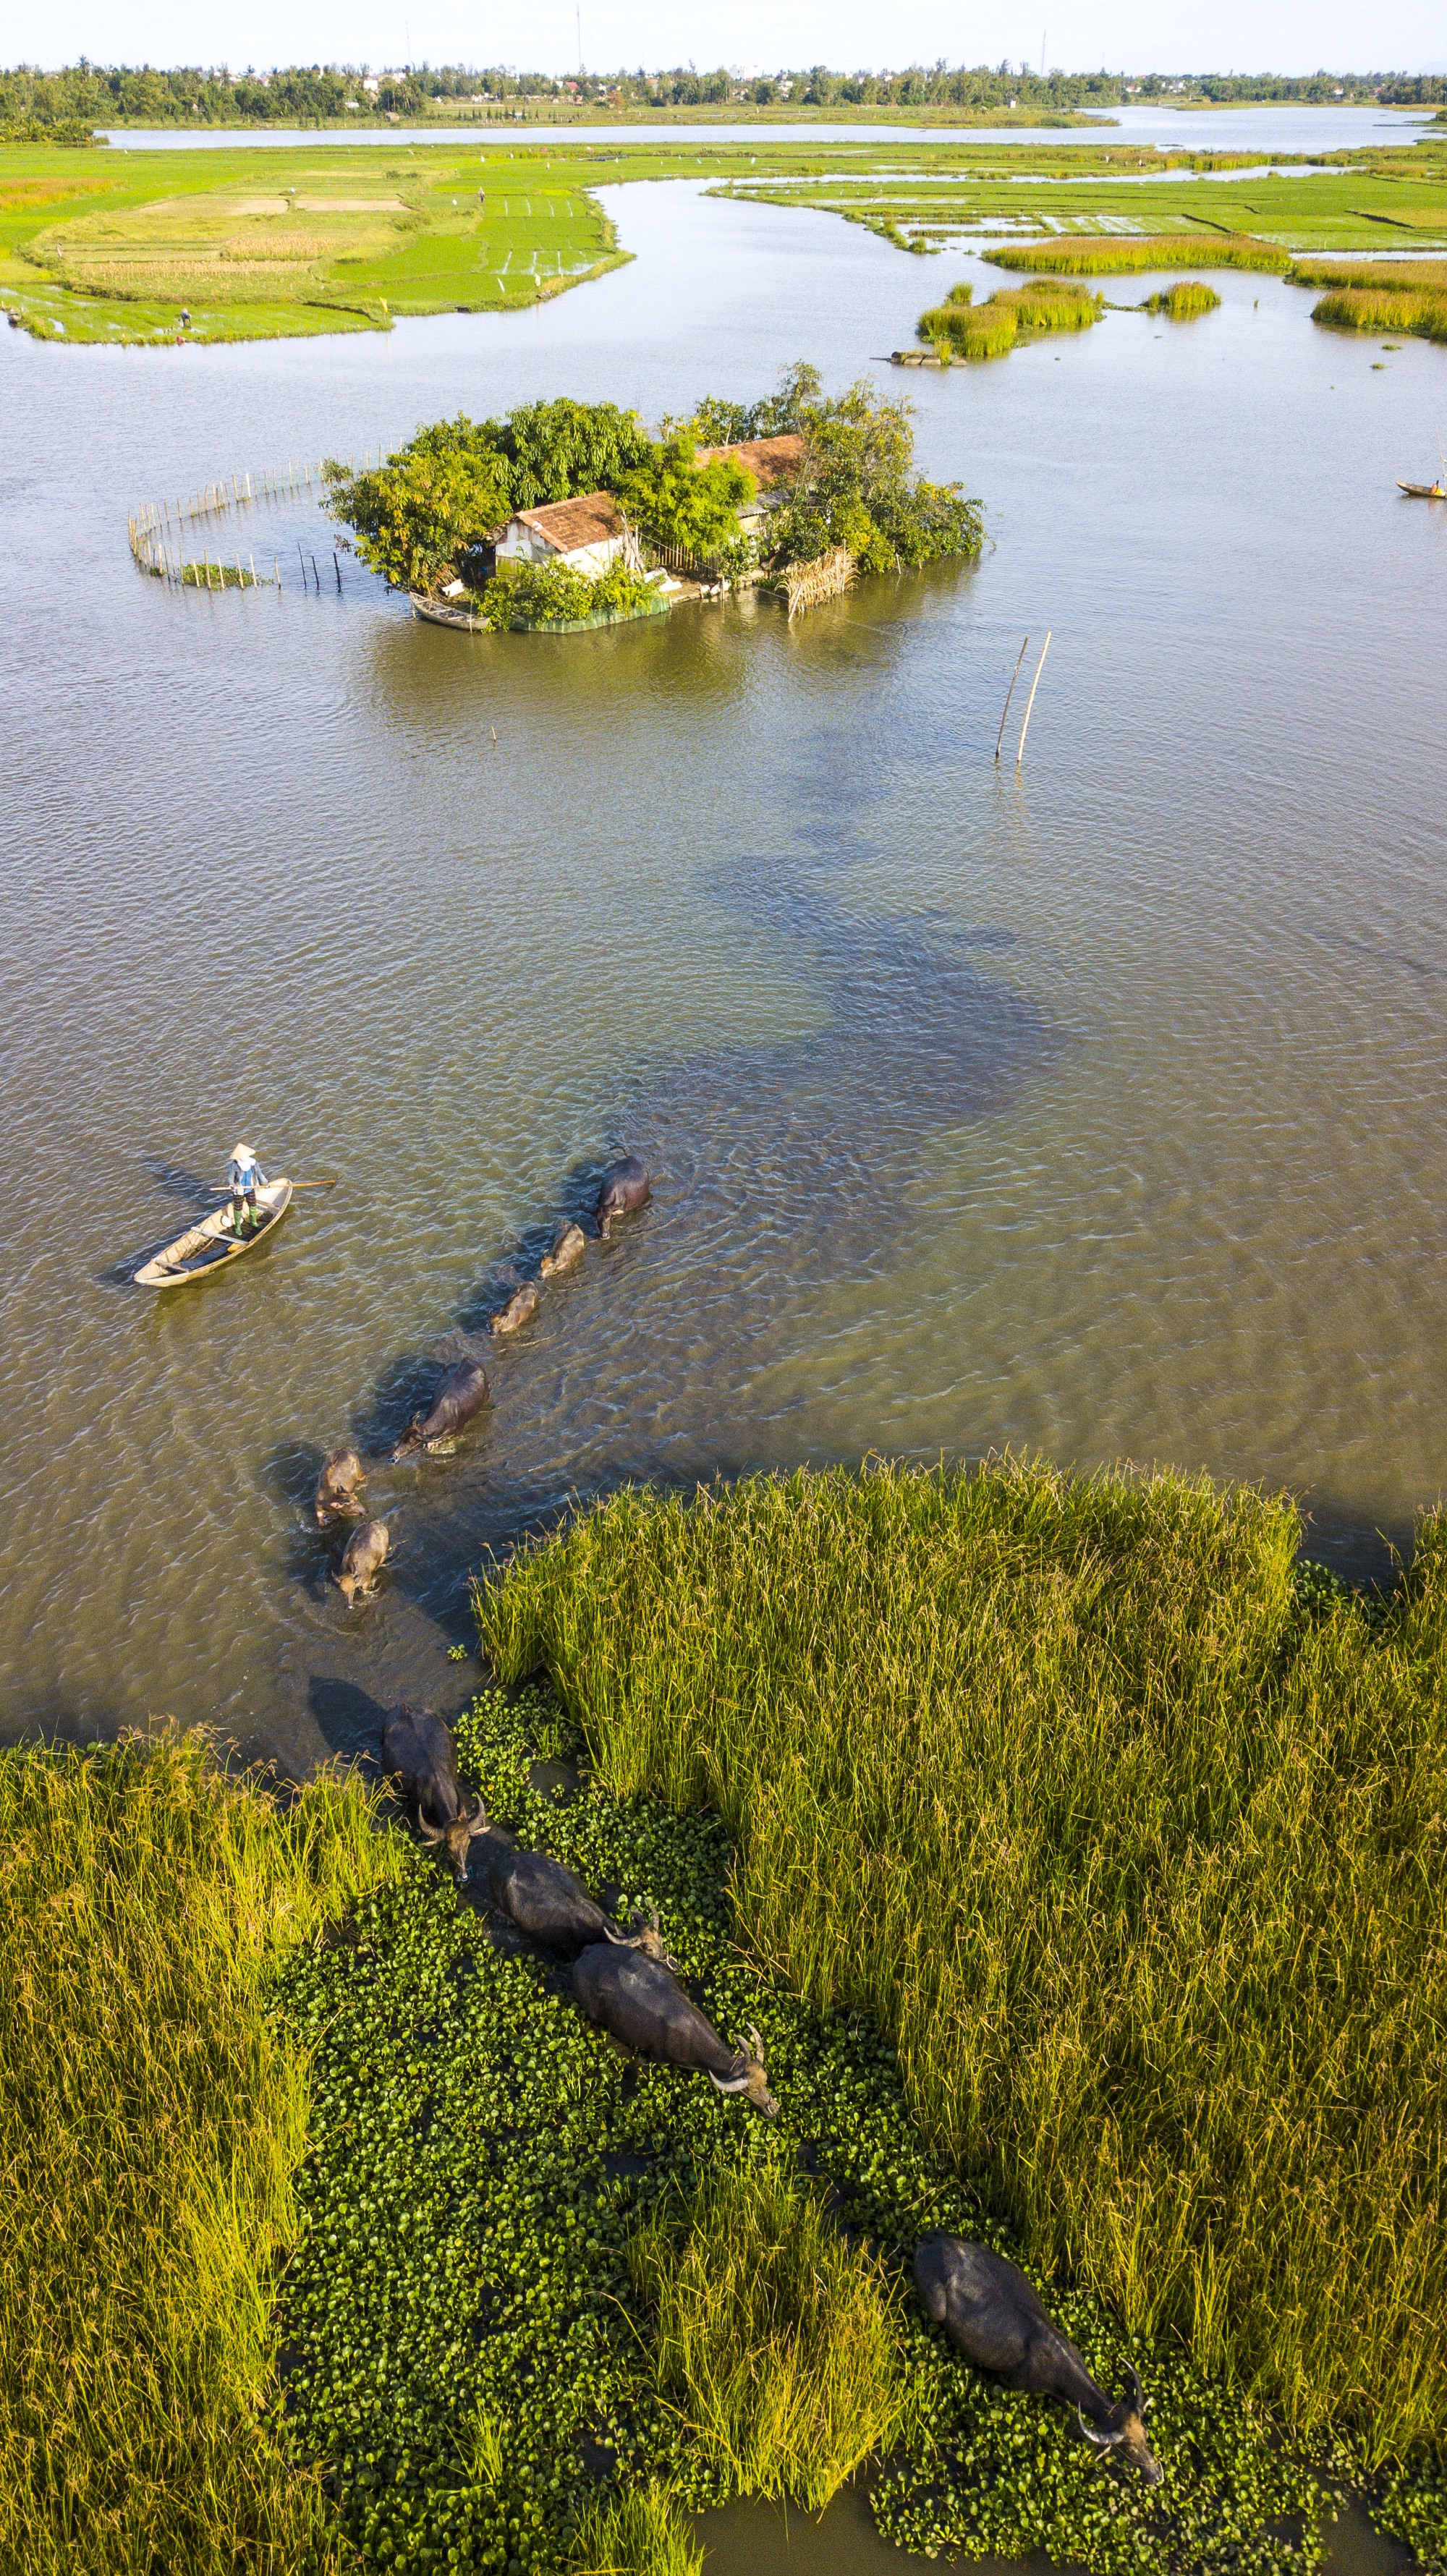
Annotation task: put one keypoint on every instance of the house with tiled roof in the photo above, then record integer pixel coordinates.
(586, 534)
(771, 461)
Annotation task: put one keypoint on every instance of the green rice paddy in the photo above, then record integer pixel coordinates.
(260, 243)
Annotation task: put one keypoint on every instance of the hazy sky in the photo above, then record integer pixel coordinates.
(1240, 35)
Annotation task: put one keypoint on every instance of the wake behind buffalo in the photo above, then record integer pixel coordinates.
(462, 1392)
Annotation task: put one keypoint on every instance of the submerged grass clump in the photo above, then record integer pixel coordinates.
(1137, 1859)
(1183, 302)
(151, 2121)
(960, 328)
(1358, 308)
(779, 2341)
(1121, 251)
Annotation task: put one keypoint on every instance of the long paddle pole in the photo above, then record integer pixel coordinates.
(1009, 693)
(1030, 701)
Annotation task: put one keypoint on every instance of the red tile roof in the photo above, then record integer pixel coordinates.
(769, 460)
(567, 525)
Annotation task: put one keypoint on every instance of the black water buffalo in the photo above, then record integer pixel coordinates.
(991, 2314)
(363, 1558)
(625, 1187)
(342, 1473)
(547, 1902)
(642, 2006)
(568, 1247)
(463, 1393)
(521, 1304)
(419, 1754)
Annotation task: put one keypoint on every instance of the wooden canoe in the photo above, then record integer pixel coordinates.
(211, 1244)
(1424, 491)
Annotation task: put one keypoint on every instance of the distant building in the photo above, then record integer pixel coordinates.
(587, 533)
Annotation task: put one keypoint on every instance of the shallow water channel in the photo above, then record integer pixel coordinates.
(1092, 1107)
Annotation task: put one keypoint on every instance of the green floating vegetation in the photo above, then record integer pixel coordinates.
(151, 2120)
(218, 576)
(1138, 1866)
(514, 2330)
(1182, 303)
(963, 329)
(1118, 252)
(1421, 317)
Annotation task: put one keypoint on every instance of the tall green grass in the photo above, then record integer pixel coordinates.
(988, 330)
(1139, 1862)
(779, 2342)
(150, 2126)
(1357, 308)
(1184, 301)
(1422, 276)
(1121, 251)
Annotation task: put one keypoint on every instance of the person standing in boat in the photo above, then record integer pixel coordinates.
(244, 1179)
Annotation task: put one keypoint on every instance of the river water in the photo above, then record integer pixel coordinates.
(1093, 1107)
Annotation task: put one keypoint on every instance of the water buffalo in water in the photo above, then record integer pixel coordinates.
(419, 1752)
(642, 2006)
(463, 1393)
(342, 1473)
(992, 2315)
(363, 1558)
(625, 1187)
(521, 1304)
(568, 1247)
(547, 1902)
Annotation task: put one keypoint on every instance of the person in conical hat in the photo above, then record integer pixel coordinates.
(244, 1178)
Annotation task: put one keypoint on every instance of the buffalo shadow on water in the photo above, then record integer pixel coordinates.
(780, 1170)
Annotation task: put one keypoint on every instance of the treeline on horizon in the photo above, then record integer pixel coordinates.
(97, 94)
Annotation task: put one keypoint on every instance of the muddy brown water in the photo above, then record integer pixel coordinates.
(1094, 1108)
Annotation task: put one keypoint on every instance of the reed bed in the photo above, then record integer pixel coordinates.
(1136, 1855)
(779, 2342)
(1096, 257)
(961, 328)
(150, 2127)
(640, 2533)
(1184, 302)
(1359, 308)
(1421, 276)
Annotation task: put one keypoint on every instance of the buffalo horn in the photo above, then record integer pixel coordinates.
(729, 2083)
(1136, 2390)
(431, 1833)
(477, 1821)
(756, 2044)
(1102, 2441)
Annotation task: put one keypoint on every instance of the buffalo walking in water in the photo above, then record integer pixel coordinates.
(523, 1303)
(638, 2002)
(420, 1755)
(625, 1188)
(337, 1496)
(462, 1393)
(568, 1247)
(544, 1900)
(363, 1558)
(993, 2316)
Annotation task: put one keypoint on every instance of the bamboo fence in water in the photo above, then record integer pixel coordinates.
(151, 525)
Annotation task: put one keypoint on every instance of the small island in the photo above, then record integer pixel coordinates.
(566, 515)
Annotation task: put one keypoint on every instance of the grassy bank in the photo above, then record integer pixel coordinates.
(151, 2122)
(1138, 1865)
(1151, 250)
(960, 328)
(1405, 295)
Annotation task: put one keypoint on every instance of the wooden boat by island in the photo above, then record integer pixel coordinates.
(211, 1244)
(1424, 491)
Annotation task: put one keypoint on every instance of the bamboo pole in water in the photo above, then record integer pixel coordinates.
(1030, 701)
(1009, 693)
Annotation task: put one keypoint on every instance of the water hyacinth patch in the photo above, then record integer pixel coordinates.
(471, 2330)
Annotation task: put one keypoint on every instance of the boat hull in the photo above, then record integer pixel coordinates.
(209, 1247)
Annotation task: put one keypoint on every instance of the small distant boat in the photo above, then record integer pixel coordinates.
(211, 1244)
(1424, 491)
